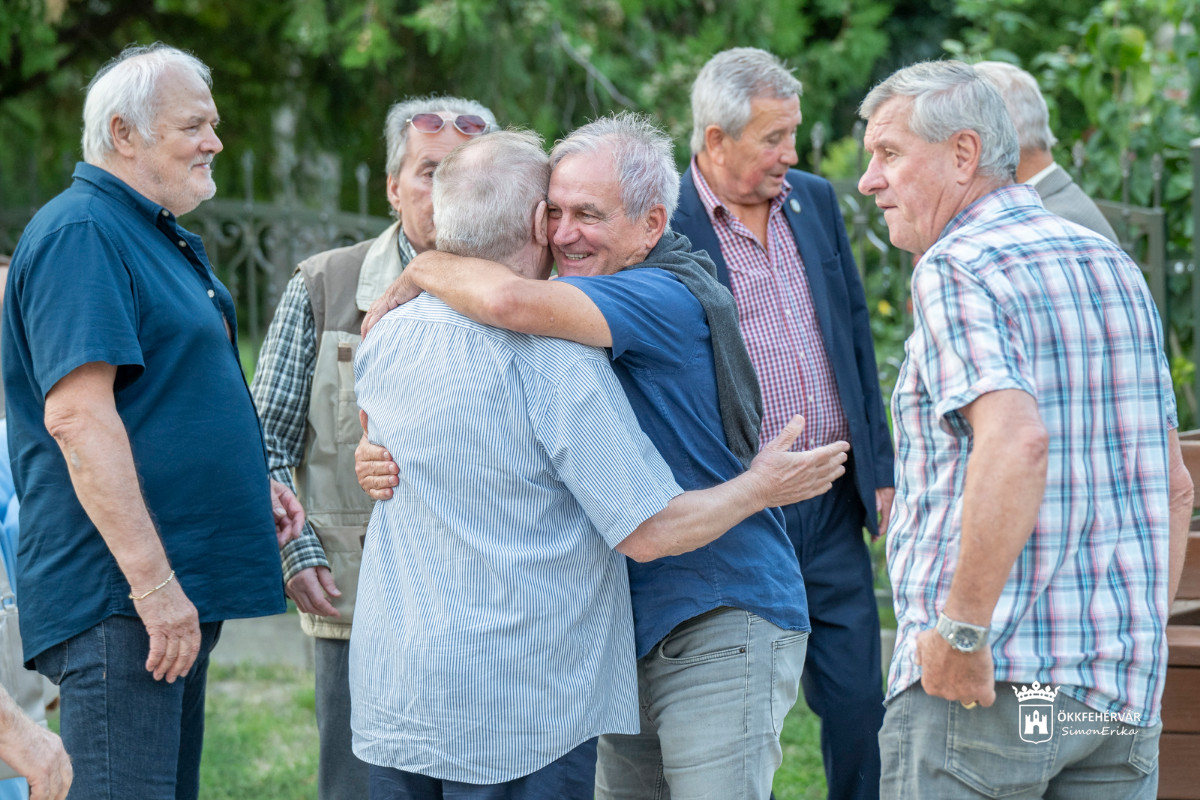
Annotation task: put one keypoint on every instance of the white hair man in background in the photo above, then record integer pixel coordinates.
(1060, 194)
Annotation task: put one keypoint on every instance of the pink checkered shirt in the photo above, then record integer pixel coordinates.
(775, 313)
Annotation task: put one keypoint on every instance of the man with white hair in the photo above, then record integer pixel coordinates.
(721, 631)
(304, 389)
(494, 637)
(1042, 504)
(1060, 194)
(146, 508)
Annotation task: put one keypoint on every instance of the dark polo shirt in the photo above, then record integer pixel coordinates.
(103, 274)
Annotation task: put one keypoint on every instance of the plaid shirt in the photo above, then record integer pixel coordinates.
(281, 388)
(775, 313)
(1012, 297)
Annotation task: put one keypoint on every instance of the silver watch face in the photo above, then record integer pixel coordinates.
(962, 637)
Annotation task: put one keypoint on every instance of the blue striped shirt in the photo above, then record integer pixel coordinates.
(493, 631)
(1012, 297)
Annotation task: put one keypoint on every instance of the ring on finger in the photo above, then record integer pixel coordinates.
(969, 705)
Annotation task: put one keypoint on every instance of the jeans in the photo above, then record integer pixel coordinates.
(340, 774)
(568, 778)
(129, 736)
(843, 682)
(713, 694)
(933, 748)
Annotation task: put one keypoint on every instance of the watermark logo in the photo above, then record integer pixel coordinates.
(1035, 712)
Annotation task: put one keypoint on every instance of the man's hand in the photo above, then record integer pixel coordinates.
(884, 496)
(38, 755)
(400, 292)
(945, 672)
(289, 515)
(788, 477)
(174, 628)
(373, 466)
(310, 588)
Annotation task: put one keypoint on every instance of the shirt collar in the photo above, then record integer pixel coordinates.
(1041, 176)
(998, 201)
(711, 202)
(109, 184)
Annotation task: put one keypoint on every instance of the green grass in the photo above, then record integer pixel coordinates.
(260, 735)
(261, 739)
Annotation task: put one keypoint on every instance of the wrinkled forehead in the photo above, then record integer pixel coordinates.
(889, 122)
(585, 180)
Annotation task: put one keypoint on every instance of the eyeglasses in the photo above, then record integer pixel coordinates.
(467, 124)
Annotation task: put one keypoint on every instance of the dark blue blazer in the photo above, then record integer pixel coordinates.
(841, 308)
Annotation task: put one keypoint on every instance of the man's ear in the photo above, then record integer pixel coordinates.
(122, 135)
(967, 148)
(714, 144)
(393, 194)
(540, 223)
(656, 224)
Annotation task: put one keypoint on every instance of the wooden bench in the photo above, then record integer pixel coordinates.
(1179, 750)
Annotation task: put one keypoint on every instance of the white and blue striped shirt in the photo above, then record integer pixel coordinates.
(493, 632)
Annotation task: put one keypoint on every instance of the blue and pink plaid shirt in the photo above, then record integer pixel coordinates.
(779, 323)
(1012, 297)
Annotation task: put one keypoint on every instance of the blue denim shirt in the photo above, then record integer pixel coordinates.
(102, 274)
(662, 355)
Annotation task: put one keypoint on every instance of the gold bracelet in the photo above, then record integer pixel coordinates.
(170, 578)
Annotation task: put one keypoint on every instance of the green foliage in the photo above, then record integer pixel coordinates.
(338, 64)
(1120, 91)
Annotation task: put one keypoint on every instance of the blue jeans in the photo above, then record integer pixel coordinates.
(340, 774)
(713, 694)
(571, 777)
(129, 736)
(933, 749)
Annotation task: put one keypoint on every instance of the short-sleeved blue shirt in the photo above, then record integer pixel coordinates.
(662, 355)
(102, 274)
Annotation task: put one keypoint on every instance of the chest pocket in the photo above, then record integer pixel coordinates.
(349, 429)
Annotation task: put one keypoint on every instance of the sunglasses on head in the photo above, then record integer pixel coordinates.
(467, 124)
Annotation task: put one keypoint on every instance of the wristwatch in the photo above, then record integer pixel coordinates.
(962, 636)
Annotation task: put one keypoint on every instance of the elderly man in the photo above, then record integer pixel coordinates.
(1042, 504)
(146, 508)
(1060, 194)
(304, 389)
(778, 240)
(495, 637)
(721, 631)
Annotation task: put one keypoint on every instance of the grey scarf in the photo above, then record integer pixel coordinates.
(738, 392)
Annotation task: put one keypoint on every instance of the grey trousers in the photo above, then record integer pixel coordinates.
(340, 775)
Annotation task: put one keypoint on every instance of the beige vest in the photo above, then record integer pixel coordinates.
(341, 285)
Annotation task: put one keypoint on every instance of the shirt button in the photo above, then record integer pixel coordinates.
(182, 243)
(166, 213)
(211, 293)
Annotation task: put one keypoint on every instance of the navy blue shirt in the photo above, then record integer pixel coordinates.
(662, 355)
(101, 274)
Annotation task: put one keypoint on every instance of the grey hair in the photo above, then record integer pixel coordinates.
(1025, 103)
(486, 192)
(126, 87)
(396, 128)
(948, 97)
(729, 82)
(643, 157)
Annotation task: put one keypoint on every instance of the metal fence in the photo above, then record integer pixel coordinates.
(255, 245)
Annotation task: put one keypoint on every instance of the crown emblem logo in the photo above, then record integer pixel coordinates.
(1036, 692)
